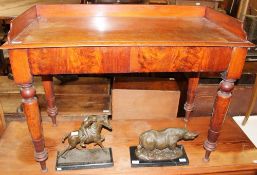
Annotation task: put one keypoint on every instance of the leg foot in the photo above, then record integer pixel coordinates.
(206, 157)
(43, 167)
(44, 170)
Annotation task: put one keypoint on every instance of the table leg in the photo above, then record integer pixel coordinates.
(252, 102)
(31, 110)
(50, 97)
(219, 112)
(192, 86)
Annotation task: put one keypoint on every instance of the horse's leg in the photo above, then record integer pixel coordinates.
(82, 142)
(79, 148)
(67, 151)
(102, 138)
(98, 141)
(63, 153)
(65, 137)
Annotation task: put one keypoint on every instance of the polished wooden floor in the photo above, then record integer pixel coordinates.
(235, 153)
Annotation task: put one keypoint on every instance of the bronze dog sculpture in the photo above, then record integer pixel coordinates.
(162, 145)
(89, 132)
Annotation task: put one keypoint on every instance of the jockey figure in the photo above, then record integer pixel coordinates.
(89, 120)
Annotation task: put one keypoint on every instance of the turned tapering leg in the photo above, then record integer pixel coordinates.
(218, 116)
(50, 97)
(31, 110)
(192, 86)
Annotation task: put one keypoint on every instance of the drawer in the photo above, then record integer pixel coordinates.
(128, 59)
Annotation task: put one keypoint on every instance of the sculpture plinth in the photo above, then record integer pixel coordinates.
(82, 159)
(171, 161)
(74, 157)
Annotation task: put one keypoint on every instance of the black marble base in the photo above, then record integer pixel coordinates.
(135, 162)
(85, 159)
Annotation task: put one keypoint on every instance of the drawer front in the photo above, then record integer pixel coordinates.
(79, 60)
(128, 59)
(180, 59)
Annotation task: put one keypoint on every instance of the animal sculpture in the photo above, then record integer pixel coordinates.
(89, 132)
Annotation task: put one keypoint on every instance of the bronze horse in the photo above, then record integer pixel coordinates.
(89, 132)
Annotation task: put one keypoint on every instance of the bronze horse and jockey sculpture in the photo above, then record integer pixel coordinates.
(89, 132)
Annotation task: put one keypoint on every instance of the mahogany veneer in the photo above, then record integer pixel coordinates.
(67, 39)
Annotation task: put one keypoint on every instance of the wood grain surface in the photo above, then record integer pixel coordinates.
(20, 69)
(234, 26)
(128, 59)
(235, 153)
(84, 25)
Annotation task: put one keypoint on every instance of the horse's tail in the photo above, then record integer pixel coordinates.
(65, 137)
